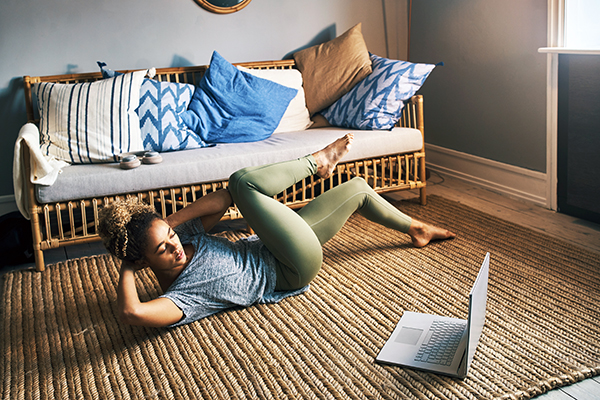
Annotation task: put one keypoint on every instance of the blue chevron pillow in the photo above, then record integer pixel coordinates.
(160, 109)
(161, 106)
(376, 101)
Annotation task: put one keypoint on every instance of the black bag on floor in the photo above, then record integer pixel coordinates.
(15, 240)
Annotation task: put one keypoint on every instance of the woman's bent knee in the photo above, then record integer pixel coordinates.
(356, 184)
(359, 181)
(236, 181)
(236, 176)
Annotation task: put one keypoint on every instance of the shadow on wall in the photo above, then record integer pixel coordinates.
(324, 36)
(13, 117)
(179, 61)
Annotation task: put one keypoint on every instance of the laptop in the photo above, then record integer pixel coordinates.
(439, 344)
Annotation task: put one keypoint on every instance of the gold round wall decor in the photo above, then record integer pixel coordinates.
(223, 6)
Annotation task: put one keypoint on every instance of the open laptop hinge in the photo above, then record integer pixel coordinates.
(462, 367)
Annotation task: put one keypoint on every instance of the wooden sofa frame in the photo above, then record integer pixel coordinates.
(76, 221)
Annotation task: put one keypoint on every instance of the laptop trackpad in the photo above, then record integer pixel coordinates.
(408, 335)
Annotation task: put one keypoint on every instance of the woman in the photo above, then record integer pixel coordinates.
(202, 274)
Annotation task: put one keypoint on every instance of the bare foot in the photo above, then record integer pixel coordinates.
(421, 234)
(328, 157)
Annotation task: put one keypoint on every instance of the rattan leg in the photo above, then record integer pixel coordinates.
(37, 239)
(423, 178)
(39, 260)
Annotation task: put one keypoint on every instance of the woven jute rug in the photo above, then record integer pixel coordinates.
(60, 337)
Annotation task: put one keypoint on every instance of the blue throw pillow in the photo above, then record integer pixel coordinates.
(160, 109)
(376, 102)
(107, 72)
(232, 106)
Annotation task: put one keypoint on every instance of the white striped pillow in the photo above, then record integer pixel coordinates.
(90, 122)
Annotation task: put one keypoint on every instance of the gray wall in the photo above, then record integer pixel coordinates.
(489, 99)
(69, 36)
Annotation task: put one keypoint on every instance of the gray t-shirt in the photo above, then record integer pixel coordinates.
(223, 274)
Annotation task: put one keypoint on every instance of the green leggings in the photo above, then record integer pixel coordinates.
(295, 238)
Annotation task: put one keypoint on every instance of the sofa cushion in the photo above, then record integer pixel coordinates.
(218, 163)
(160, 109)
(296, 117)
(331, 69)
(90, 122)
(232, 106)
(377, 101)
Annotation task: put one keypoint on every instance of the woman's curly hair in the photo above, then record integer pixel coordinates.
(123, 227)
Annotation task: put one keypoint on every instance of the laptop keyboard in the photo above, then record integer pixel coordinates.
(441, 342)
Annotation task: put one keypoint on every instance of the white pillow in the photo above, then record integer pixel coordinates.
(90, 122)
(296, 116)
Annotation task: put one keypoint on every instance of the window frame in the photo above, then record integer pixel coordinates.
(555, 47)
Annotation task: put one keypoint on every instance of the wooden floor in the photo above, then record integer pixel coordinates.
(573, 230)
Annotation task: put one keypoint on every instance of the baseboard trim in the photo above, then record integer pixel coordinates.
(509, 180)
(7, 204)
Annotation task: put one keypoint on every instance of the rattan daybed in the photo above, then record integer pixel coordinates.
(61, 216)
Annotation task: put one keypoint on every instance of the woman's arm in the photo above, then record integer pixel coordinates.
(157, 312)
(210, 208)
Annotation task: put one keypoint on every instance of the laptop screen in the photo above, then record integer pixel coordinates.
(477, 306)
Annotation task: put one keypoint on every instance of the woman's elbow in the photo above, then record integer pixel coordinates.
(136, 317)
(131, 316)
(128, 317)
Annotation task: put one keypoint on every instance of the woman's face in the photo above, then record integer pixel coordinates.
(164, 250)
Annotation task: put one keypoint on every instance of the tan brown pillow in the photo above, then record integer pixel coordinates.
(331, 69)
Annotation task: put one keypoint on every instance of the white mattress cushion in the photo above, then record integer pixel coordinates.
(217, 163)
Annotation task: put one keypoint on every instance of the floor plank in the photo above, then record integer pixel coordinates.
(588, 389)
(556, 394)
